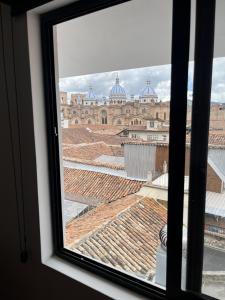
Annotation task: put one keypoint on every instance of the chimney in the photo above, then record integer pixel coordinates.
(165, 168)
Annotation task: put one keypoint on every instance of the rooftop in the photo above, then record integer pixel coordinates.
(97, 187)
(80, 135)
(215, 202)
(91, 151)
(217, 139)
(127, 237)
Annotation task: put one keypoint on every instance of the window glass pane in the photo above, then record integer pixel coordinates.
(213, 281)
(113, 106)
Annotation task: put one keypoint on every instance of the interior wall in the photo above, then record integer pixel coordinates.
(130, 35)
(30, 280)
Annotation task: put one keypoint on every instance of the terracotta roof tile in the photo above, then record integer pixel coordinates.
(96, 218)
(102, 129)
(214, 139)
(128, 241)
(91, 151)
(83, 135)
(95, 185)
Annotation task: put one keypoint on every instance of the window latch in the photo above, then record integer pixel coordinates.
(55, 131)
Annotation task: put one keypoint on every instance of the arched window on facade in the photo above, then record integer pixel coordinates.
(76, 121)
(104, 117)
(132, 123)
(157, 115)
(164, 115)
(119, 122)
(89, 121)
(140, 122)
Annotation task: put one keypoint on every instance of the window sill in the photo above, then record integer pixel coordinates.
(91, 280)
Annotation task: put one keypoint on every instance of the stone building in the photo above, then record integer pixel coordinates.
(117, 109)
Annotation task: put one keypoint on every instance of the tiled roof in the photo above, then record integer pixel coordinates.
(98, 186)
(85, 135)
(96, 218)
(129, 241)
(91, 151)
(214, 139)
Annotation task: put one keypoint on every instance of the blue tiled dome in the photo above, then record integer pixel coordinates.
(148, 91)
(117, 89)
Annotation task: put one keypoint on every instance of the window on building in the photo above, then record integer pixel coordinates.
(104, 117)
(151, 123)
(105, 220)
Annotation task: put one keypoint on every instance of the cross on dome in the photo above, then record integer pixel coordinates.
(117, 78)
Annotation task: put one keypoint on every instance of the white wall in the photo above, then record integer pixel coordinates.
(131, 35)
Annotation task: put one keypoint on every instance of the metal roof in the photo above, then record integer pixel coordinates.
(216, 159)
(215, 204)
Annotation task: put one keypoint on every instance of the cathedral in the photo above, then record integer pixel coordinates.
(116, 109)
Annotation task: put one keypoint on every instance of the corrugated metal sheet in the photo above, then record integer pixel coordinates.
(104, 170)
(139, 160)
(110, 159)
(215, 204)
(216, 159)
(162, 181)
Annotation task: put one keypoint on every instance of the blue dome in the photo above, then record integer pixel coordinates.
(91, 95)
(148, 91)
(117, 89)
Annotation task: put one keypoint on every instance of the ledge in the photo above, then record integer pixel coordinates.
(92, 280)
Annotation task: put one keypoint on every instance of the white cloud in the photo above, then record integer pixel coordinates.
(133, 80)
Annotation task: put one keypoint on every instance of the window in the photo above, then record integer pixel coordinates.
(104, 117)
(134, 135)
(95, 248)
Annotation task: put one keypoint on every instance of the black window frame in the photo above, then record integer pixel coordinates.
(178, 109)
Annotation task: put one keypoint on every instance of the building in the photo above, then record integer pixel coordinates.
(155, 130)
(117, 108)
(115, 230)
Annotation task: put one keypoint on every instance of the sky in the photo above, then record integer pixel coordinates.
(134, 80)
